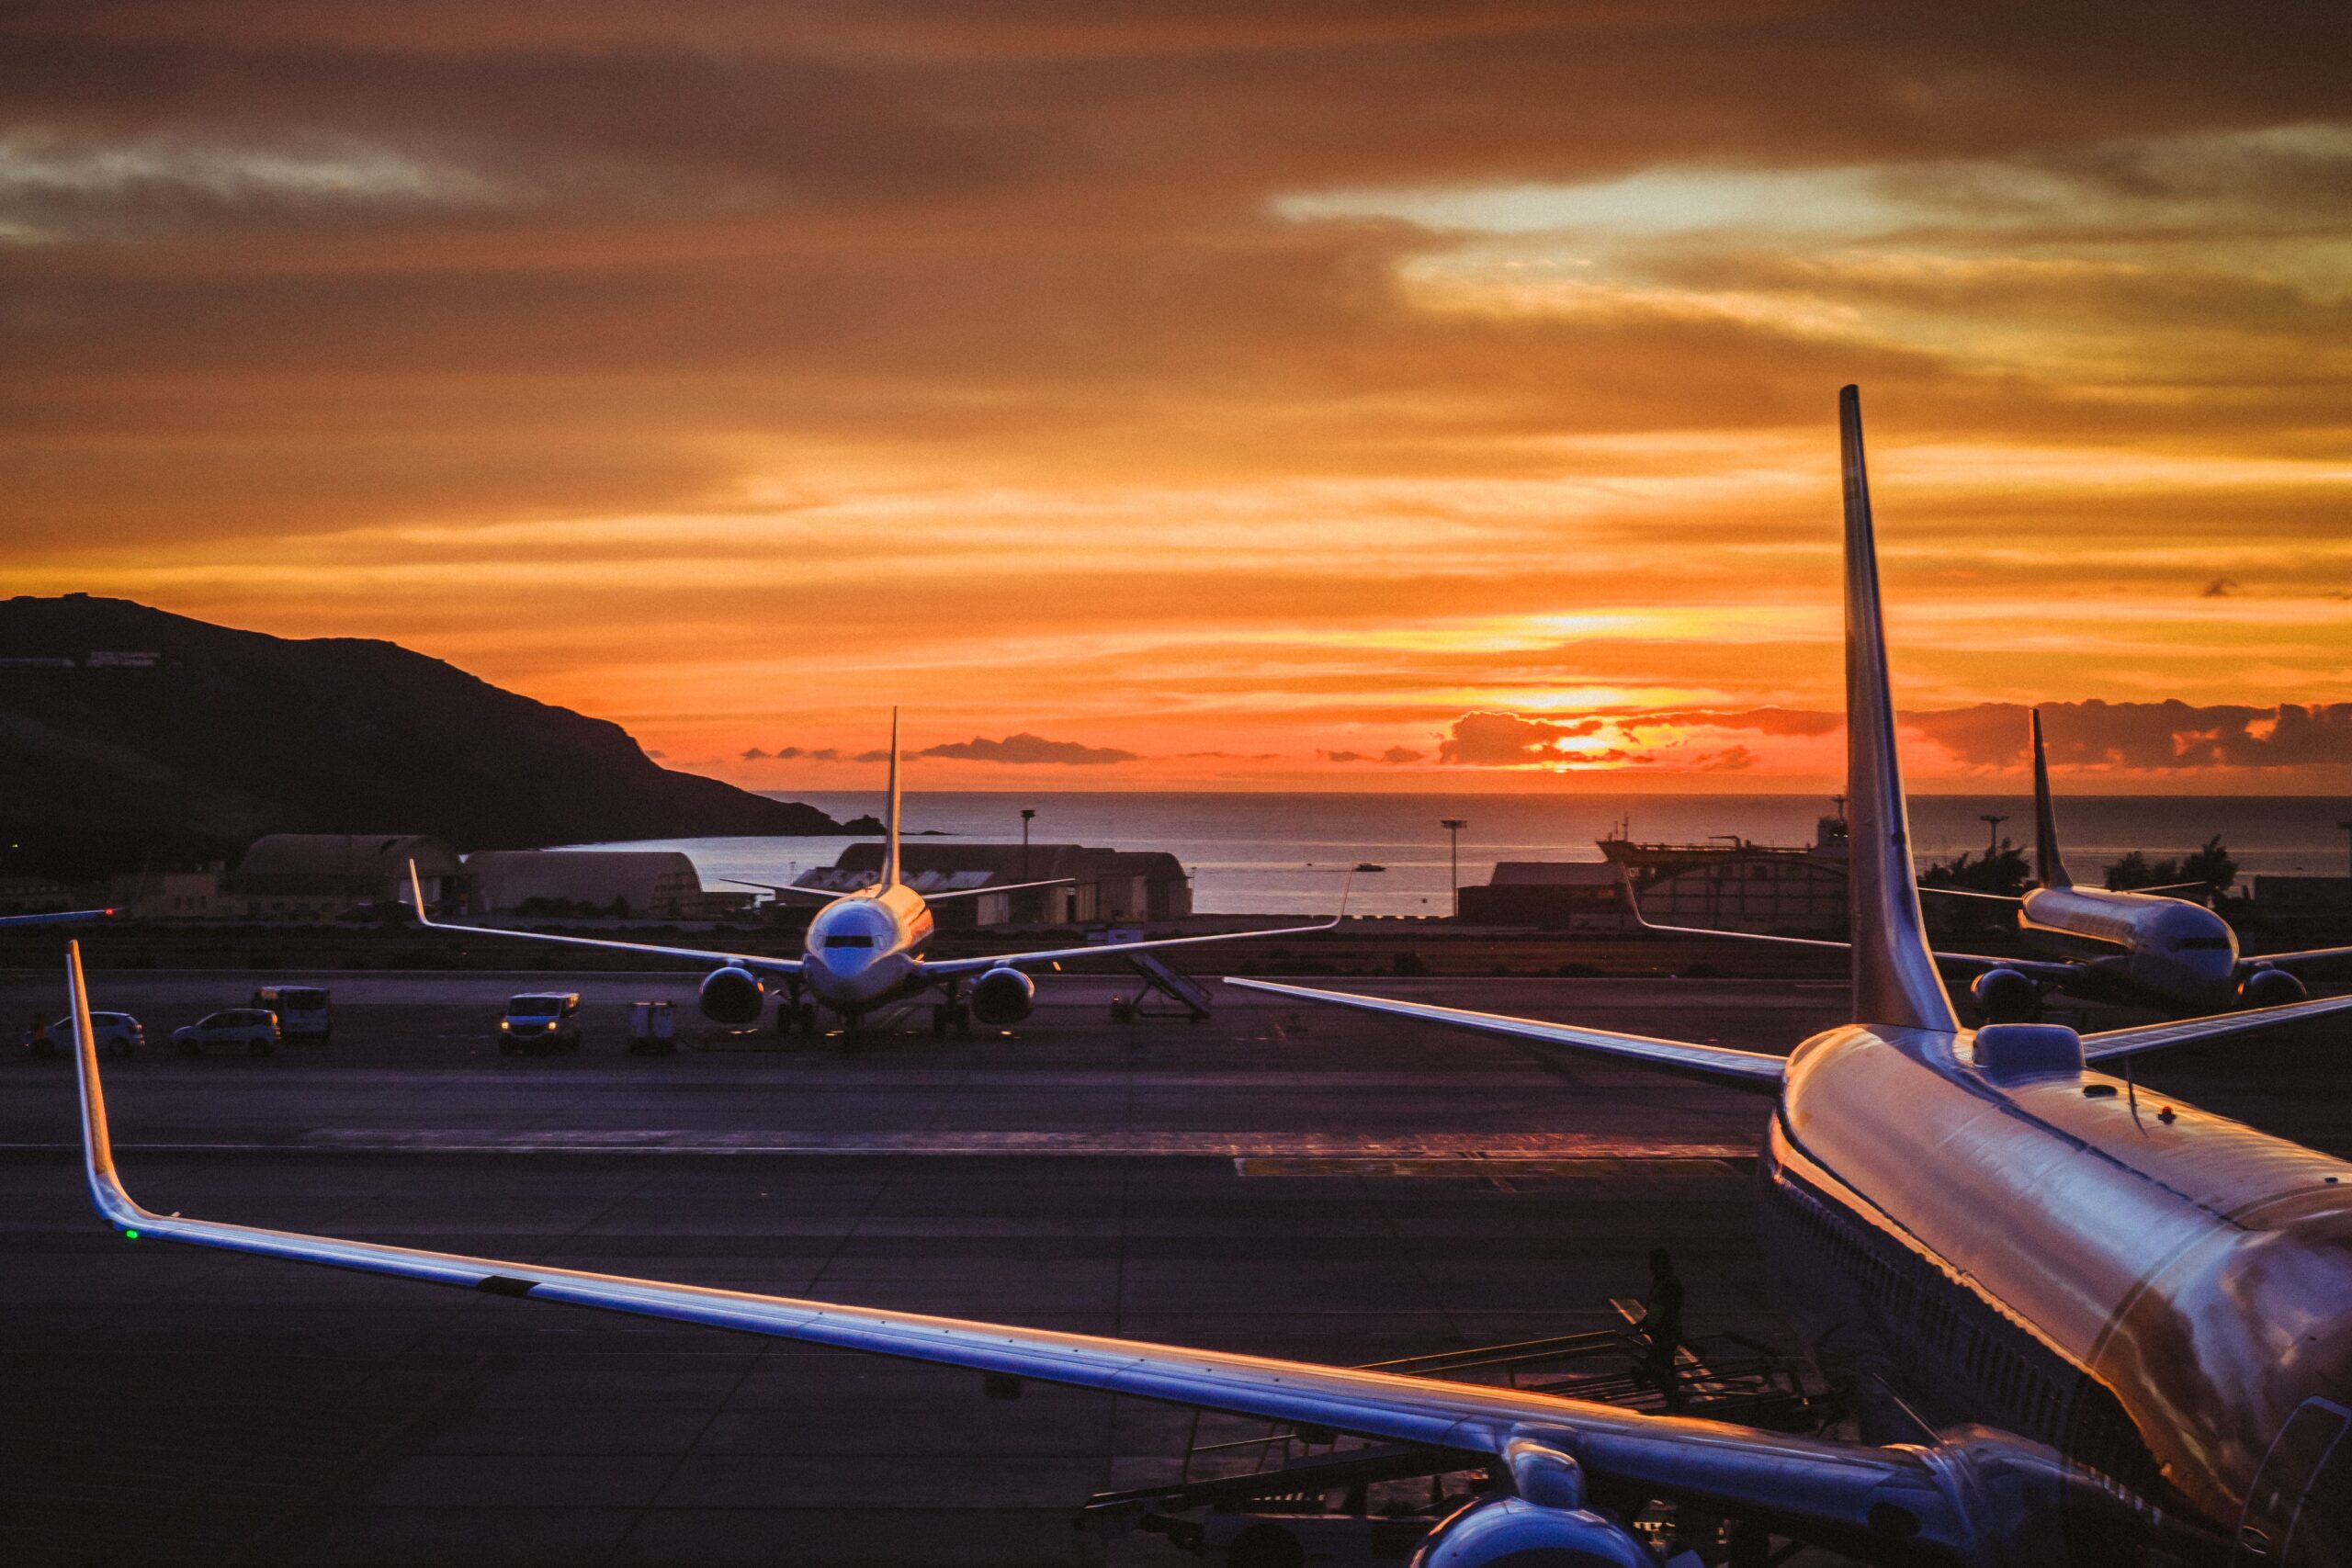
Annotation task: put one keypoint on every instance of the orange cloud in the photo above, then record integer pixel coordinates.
(1228, 388)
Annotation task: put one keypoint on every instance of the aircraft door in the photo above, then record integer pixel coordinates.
(2295, 1511)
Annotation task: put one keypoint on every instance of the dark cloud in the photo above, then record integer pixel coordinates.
(2220, 588)
(1505, 739)
(2166, 737)
(2148, 736)
(820, 754)
(424, 262)
(1025, 749)
(1764, 721)
(1401, 754)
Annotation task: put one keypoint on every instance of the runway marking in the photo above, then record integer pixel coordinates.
(1501, 1172)
(1506, 1153)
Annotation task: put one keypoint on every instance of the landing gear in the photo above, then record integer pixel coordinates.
(946, 1016)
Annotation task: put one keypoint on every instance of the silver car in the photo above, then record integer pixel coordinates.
(253, 1028)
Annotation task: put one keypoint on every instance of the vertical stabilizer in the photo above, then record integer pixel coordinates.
(1896, 982)
(2048, 869)
(891, 843)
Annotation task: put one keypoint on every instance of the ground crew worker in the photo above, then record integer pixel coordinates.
(1661, 1327)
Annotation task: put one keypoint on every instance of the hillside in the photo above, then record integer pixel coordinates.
(108, 760)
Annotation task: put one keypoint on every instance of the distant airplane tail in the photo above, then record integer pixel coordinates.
(1896, 982)
(2048, 869)
(890, 864)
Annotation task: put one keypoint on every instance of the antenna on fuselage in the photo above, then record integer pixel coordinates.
(2048, 869)
(1896, 982)
(890, 842)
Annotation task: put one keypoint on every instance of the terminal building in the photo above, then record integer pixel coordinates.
(322, 875)
(660, 885)
(1102, 886)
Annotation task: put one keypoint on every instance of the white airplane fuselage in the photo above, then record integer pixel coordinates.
(865, 950)
(2136, 946)
(2166, 1301)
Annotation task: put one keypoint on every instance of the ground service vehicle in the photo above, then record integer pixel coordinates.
(305, 1014)
(540, 1020)
(652, 1029)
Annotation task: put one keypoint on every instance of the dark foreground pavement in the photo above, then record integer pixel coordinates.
(1300, 1183)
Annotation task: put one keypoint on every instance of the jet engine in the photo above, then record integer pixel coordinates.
(1545, 1524)
(1003, 995)
(2003, 995)
(733, 995)
(2270, 989)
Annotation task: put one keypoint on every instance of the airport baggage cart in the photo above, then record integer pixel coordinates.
(652, 1029)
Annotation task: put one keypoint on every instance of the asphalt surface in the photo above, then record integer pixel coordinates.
(1281, 1180)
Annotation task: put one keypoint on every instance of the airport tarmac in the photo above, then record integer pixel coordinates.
(1289, 1180)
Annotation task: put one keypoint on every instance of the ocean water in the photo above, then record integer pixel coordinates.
(1287, 853)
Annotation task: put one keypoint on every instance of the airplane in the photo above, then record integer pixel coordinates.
(865, 951)
(2137, 948)
(2135, 1321)
(2137, 945)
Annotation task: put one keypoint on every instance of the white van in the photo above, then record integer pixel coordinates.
(305, 1014)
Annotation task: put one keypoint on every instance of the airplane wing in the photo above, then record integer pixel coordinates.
(1719, 1064)
(1901, 1505)
(2048, 971)
(2113, 1044)
(1972, 892)
(58, 918)
(793, 890)
(999, 887)
(2294, 960)
(700, 955)
(1101, 948)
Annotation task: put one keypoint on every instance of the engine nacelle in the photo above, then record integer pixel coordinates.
(2270, 989)
(2003, 995)
(1528, 1535)
(733, 995)
(1003, 995)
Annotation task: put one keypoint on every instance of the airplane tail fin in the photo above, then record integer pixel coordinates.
(1896, 982)
(2048, 869)
(891, 875)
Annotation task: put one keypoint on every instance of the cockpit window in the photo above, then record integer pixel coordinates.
(2201, 944)
(849, 941)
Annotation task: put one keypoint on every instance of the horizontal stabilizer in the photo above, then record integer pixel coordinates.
(1718, 1064)
(2110, 1044)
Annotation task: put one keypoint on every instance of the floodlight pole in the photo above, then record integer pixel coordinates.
(1028, 812)
(1454, 826)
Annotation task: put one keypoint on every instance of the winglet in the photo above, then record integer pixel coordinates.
(2048, 869)
(1896, 982)
(97, 1149)
(890, 844)
(416, 895)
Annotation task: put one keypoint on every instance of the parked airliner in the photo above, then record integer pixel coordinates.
(2137, 948)
(2128, 1330)
(865, 951)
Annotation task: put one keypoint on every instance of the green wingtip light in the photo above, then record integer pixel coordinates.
(130, 1235)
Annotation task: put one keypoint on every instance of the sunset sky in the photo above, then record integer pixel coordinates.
(1228, 396)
